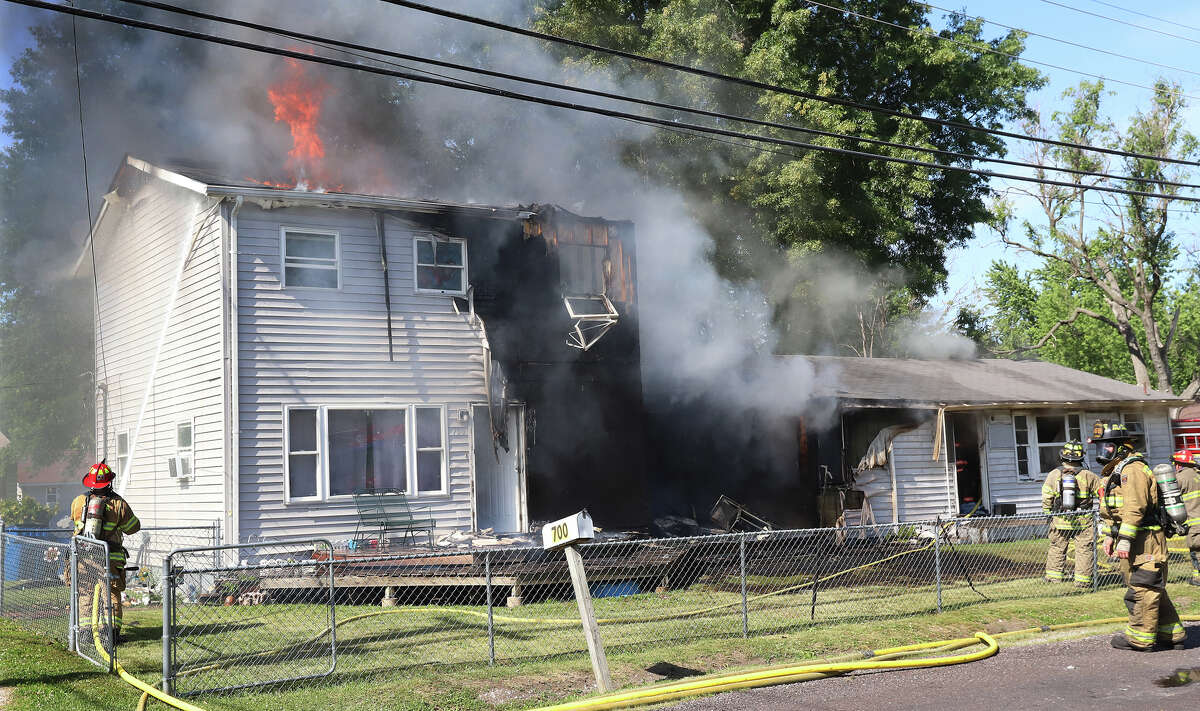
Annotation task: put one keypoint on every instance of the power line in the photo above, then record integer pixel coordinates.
(762, 85)
(1142, 14)
(338, 45)
(1120, 21)
(968, 45)
(584, 108)
(87, 193)
(1063, 41)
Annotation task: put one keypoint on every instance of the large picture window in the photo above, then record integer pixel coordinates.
(441, 265)
(1039, 440)
(310, 258)
(334, 450)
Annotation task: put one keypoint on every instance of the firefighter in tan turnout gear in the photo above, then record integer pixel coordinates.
(102, 514)
(1187, 471)
(1129, 505)
(1070, 490)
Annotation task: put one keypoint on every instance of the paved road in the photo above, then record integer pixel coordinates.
(1062, 676)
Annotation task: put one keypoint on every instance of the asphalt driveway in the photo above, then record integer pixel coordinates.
(1075, 674)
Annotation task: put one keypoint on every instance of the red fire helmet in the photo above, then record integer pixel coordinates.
(1188, 457)
(99, 476)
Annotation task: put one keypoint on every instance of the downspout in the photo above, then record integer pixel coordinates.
(387, 289)
(232, 494)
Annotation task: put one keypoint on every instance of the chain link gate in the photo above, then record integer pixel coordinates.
(226, 627)
(93, 635)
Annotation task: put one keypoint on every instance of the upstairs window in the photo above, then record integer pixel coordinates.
(123, 453)
(441, 266)
(310, 259)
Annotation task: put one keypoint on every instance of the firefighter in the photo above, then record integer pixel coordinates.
(1129, 506)
(1187, 471)
(102, 514)
(1072, 490)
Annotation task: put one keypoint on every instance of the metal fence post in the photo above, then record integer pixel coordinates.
(745, 609)
(73, 607)
(3, 546)
(487, 572)
(168, 597)
(1095, 554)
(937, 561)
(216, 541)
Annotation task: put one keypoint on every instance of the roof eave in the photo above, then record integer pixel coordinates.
(274, 198)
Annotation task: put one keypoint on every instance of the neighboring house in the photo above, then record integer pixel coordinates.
(263, 352)
(926, 438)
(53, 485)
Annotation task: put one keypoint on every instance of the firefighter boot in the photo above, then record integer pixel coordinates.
(1120, 641)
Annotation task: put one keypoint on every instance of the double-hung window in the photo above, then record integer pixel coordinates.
(52, 497)
(334, 450)
(441, 265)
(181, 464)
(1040, 439)
(310, 258)
(122, 453)
(1134, 420)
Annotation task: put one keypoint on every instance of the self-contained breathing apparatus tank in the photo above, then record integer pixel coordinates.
(1170, 498)
(93, 516)
(1069, 489)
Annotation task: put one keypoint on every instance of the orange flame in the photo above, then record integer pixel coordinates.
(297, 99)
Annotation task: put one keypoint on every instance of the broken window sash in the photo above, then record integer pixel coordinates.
(310, 259)
(592, 315)
(441, 265)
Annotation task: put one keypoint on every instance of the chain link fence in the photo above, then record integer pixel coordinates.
(33, 589)
(269, 614)
(93, 590)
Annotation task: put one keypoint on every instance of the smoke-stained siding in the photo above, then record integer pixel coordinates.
(324, 347)
(139, 244)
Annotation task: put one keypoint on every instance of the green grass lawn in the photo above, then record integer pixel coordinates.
(436, 657)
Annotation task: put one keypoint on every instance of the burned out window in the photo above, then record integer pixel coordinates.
(310, 259)
(441, 265)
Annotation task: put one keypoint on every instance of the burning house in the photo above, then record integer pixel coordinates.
(926, 438)
(263, 352)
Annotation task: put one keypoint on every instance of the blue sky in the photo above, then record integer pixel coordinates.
(967, 266)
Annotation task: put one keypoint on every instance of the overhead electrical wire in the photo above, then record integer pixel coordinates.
(360, 49)
(990, 50)
(1060, 40)
(583, 108)
(839, 101)
(1120, 21)
(1142, 14)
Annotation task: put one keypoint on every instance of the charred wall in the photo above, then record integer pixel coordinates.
(585, 417)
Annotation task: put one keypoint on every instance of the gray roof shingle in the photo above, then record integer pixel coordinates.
(895, 381)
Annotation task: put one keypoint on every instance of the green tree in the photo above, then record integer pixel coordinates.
(805, 203)
(1112, 294)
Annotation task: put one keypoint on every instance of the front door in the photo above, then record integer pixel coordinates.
(499, 473)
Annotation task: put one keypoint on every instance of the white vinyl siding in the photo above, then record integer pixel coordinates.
(328, 349)
(923, 489)
(140, 242)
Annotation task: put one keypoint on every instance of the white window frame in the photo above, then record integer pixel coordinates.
(1035, 444)
(52, 491)
(181, 452)
(1141, 419)
(283, 260)
(428, 237)
(123, 464)
(319, 435)
(410, 451)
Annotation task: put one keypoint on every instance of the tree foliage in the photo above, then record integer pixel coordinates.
(884, 215)
(1113, 292)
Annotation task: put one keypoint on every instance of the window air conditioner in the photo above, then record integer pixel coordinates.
(179, 467)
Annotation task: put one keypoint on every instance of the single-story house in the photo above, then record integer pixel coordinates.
(262, 353)
(53, 485)
(926, 438)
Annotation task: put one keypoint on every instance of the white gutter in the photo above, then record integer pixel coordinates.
(234, 438)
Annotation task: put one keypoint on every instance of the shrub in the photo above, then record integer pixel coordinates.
(26, 512)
